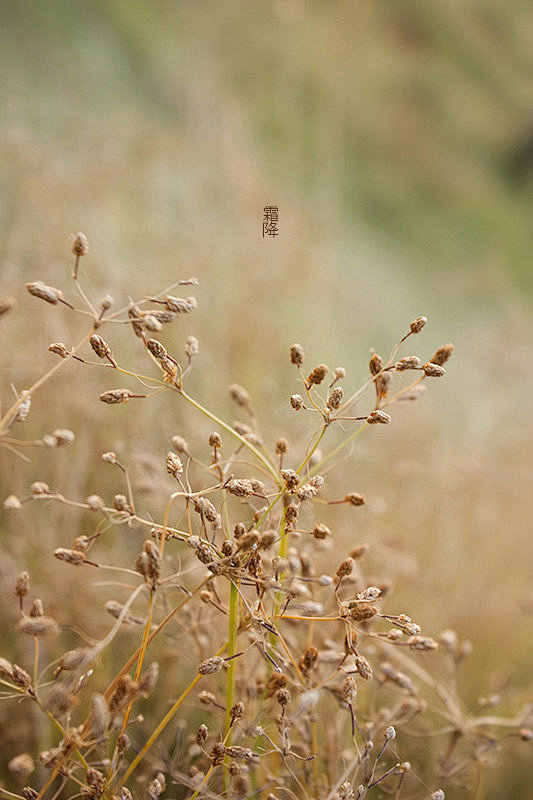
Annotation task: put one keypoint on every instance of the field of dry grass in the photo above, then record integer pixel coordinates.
(399, 163)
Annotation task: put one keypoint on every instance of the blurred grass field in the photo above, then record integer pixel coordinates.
(397, 141)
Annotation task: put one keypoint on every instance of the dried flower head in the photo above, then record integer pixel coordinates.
(297, 354)
(417, 324)
(80, 245)
(317, 375)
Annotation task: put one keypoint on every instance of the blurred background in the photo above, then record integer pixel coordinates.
(397, 141)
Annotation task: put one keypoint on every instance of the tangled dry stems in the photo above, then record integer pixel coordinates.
(307, 678)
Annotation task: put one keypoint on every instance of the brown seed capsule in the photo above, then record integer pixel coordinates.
(321, 531)
(179, 305)
(211, 665)
(100, 346)
(156, 349)
(442, 355)
(217, 754)
(114, 396)
(180, 445)
(240, 488)
(283, 697)
(37, 608)
(355, 499)
(75, 659)
(192, 347)
(349, 689)
(123, 742)
(106, 302)
(22, 586)
(432, 370)
(408, 362)
(12, 503)
(43, 292)
(291, 478)
(80, 245)
(236, 712)
(417, 324)
(30, 794)
(95, 502)
(215, 440)
(59, 349)
(63, 437)
(239, 395)
(148, 680)
(39, 487)
(335, 398)
(39, 626)
(281, 447)
(60, 701)
(317, 375)
(345, 568)
(378, 417)
(361, 611)
(201, 735)
(296, 401)
(375, 364)
(21, 765)
(309, 660)
(174, 465)
(20, 677)
(207, 698)
(75, 557)
(297, 354)
(363, 667)
(120, 503)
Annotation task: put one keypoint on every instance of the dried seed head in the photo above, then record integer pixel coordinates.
(114, 396)
(291, 478)
(100, 346)
(283, 697)
(59, 349)
(21, 765)
(359, 552)
(123, 742)
(37, 608)
(30, 794)
(156, 349)
(363, 667)
(309, 660)
(408, 362)
(174, 465)
(335, 398)
(24, 406)
(192, 347)
(22, 586)
(345, 568)
(95, 502)
(281, 447)
(437, 795)
(361, 611)
(75, 557)
(201, 735)
(297, 354)
(276, 681)
(148, 564)
(120, 503)
(378, 417)
(43, 292)
(432, 370)
(239, 395)
(75, 659)
(383, 382)
(338, 373)
(355, 499)
(417, 324)
(39, 487)
(99, 716)
(148, 680)
(370, 593)
(217, 754)
(179, 305)
(12, 503)
(80, 245)
(375, 364)
(239, 487)
(297, 401)
(317, 375)
(60, 701)
(349, 689)
(390, 733)
(239, 530)
(442, 355)
(215, 440)
(106, 302)
(321, 531)
(20, 677)
(180, 445)
(63, 437)
(207, 698)
(236, 712)
(211, 665)
(7, 304)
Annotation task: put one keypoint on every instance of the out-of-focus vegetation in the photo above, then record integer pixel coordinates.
(397, 141)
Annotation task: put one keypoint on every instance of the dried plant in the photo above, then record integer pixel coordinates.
(295, 675)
